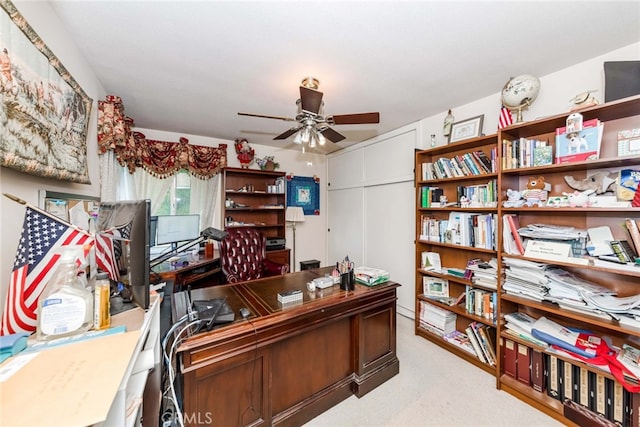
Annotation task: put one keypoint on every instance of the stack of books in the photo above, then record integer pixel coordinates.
(436, 320)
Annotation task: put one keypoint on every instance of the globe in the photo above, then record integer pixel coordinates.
(519, 92)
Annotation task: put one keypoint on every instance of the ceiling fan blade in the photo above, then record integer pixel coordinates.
(355, 119)
(331, 134)
(287, 134)
(311, 100)
(288, 119)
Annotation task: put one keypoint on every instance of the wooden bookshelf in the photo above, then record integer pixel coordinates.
(449, 182)
(616, 116)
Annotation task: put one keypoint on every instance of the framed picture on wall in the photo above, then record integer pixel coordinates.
(304, 191)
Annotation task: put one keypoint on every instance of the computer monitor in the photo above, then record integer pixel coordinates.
(130, 220)
(177, 228)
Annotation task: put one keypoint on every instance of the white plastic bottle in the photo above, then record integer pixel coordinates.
(65, 307)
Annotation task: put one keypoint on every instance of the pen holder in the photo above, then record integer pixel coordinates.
(347, 281)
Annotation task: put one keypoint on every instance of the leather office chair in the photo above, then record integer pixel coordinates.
(243, 257)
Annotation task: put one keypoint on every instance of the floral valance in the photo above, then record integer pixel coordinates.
(159, 158)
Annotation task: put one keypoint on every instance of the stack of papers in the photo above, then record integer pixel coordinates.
(371, 276)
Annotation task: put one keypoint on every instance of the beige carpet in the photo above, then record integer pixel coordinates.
(434, 388)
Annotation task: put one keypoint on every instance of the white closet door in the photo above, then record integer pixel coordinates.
(345, 225)
(388, 235)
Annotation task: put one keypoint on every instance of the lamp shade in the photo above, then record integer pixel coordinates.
(294, 214)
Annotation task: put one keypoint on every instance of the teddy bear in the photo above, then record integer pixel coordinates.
(536, 192)
(514, 199)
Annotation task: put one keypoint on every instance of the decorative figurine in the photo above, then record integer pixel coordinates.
(448, 121)
(268, 163)
(583, 100)
(433, 139)
(245, 152)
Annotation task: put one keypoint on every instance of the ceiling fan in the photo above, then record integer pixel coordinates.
(313, 125)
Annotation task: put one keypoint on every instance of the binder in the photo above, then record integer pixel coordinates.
(567, 381)
(601, 396)
(631, 409)
(523, 365)
(583, 396)
(576, 383)
(592, 391)
(618, 403)
(608, 404)
(560, 375)
(537, 370)
(510, 360)
(552, 377)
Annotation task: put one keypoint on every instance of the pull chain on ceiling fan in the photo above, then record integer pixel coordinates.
(313, 127)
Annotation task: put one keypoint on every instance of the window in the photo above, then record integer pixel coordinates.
(177, 200)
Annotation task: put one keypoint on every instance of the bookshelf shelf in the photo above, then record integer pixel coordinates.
(623, 279)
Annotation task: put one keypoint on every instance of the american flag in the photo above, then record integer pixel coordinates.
(505, 118)
(38, 251)
(109, 249)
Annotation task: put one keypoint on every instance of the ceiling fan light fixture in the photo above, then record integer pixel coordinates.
(298, 138)
(321, 139)
(310, 83)
(305, 135)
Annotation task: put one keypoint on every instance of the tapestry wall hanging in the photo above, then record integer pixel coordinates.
(44, 114)
(304, 191)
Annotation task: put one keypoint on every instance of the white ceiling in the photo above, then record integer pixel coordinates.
(189, 67)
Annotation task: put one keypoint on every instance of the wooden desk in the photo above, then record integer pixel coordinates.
(195, 273)
(284, 366)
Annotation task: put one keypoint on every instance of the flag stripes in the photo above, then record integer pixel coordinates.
(38, 251)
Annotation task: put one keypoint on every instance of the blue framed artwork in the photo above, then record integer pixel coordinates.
(304, 191)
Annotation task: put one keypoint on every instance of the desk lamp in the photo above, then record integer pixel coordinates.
(294, 214)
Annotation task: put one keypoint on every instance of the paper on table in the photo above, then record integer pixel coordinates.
(72, 385)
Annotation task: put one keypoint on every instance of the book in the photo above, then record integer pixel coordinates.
(514, 226)
(475, 343)
(634, 232)
(627, 184)
(524, 364)
(510, 358)
(579, 146)
(537, 370)
(542, 156)
(460, 340)
(623, 250)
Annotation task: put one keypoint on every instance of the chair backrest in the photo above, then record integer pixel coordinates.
(242, 254)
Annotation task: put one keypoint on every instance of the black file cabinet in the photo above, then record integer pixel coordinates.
(309, 264)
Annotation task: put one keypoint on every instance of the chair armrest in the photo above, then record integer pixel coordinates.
(271, 268)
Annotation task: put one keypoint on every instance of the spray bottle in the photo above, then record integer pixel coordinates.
(65, 307)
